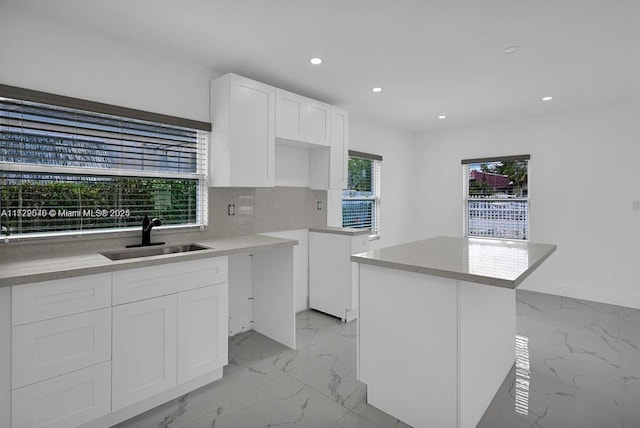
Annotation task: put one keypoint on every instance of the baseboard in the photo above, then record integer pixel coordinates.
(154, 401)
(629, 300)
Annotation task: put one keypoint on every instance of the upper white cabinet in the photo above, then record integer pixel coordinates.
(318, 123)
(339, 149)
(291, 116)
(302, 119)
(242, 146)
(248, 117)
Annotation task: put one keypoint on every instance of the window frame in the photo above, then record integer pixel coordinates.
(375, 189)
(466, 198)
(200, 175)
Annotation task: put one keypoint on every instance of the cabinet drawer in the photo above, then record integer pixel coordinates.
(64, 401)
(51, 299)
(51, 348)
(144, 283)
(359, 244)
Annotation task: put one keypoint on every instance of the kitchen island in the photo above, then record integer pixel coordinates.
(436, 329)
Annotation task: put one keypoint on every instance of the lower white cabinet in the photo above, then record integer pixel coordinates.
(86, 358)
(202, 331)
(64, 401)
(45, 349)
(333, 279)
(144, 349)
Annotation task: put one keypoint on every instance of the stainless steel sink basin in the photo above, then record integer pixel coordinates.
(133, 253)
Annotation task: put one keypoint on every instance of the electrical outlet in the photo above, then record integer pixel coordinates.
(319, 205)
(636, 205)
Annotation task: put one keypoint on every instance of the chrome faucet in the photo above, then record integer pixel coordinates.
(147, 225)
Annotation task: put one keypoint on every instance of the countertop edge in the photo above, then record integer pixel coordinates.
(461, 276)
(113, 266)
(497, 282)
(340, 231)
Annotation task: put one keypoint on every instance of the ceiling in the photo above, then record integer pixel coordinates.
(431, 57)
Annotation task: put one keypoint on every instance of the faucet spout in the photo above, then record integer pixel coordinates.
(147, 225)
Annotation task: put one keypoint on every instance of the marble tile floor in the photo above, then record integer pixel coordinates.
(578, 365)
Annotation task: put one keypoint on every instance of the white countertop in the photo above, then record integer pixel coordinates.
(486, 261)
(45, 269)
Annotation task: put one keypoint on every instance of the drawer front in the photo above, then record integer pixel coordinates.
(51, 348)
(51, 299)
(153, 281)
(64, 401)
(359, 244)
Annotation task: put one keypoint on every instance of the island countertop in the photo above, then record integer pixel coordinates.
(495, 262)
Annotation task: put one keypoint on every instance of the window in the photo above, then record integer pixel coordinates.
(68, 170)
(496, 197)
(361, 198)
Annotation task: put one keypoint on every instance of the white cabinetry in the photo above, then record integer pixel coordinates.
(249, 116)
(339, 149)
(63, 401)
(318, 123)
(243, 135)
(291, 116)
(160, 342)
(333, 279)
(144, 349)
(45, 349)
(61, 352)
(202, 331)
(302, 119)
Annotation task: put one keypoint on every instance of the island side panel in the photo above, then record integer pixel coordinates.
(274, 312)
(408, 345)
(487, 328)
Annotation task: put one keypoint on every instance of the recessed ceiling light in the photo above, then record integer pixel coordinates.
(376, 89)
(547, 98)
(442, 116)
(511, 49)
(316, 61)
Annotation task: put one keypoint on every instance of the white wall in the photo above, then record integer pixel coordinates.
(399, 220)
(583, 181)
(46, 56)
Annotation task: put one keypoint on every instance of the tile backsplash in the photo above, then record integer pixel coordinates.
(232, 212)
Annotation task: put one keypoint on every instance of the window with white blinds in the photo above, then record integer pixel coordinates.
(361, 198)
(496, 197)
(68, 170)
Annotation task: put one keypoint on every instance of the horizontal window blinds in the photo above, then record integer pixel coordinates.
(64, 169)
(14, 92)
(361, 198)
(38, 134)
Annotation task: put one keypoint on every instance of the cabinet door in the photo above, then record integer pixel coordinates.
(251, 133)
(202, 331)
(144, 349)
(339, 149)
(65, 401)
(318, 123)
(290, 115)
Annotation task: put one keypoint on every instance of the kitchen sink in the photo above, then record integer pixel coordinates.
(133, 253)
